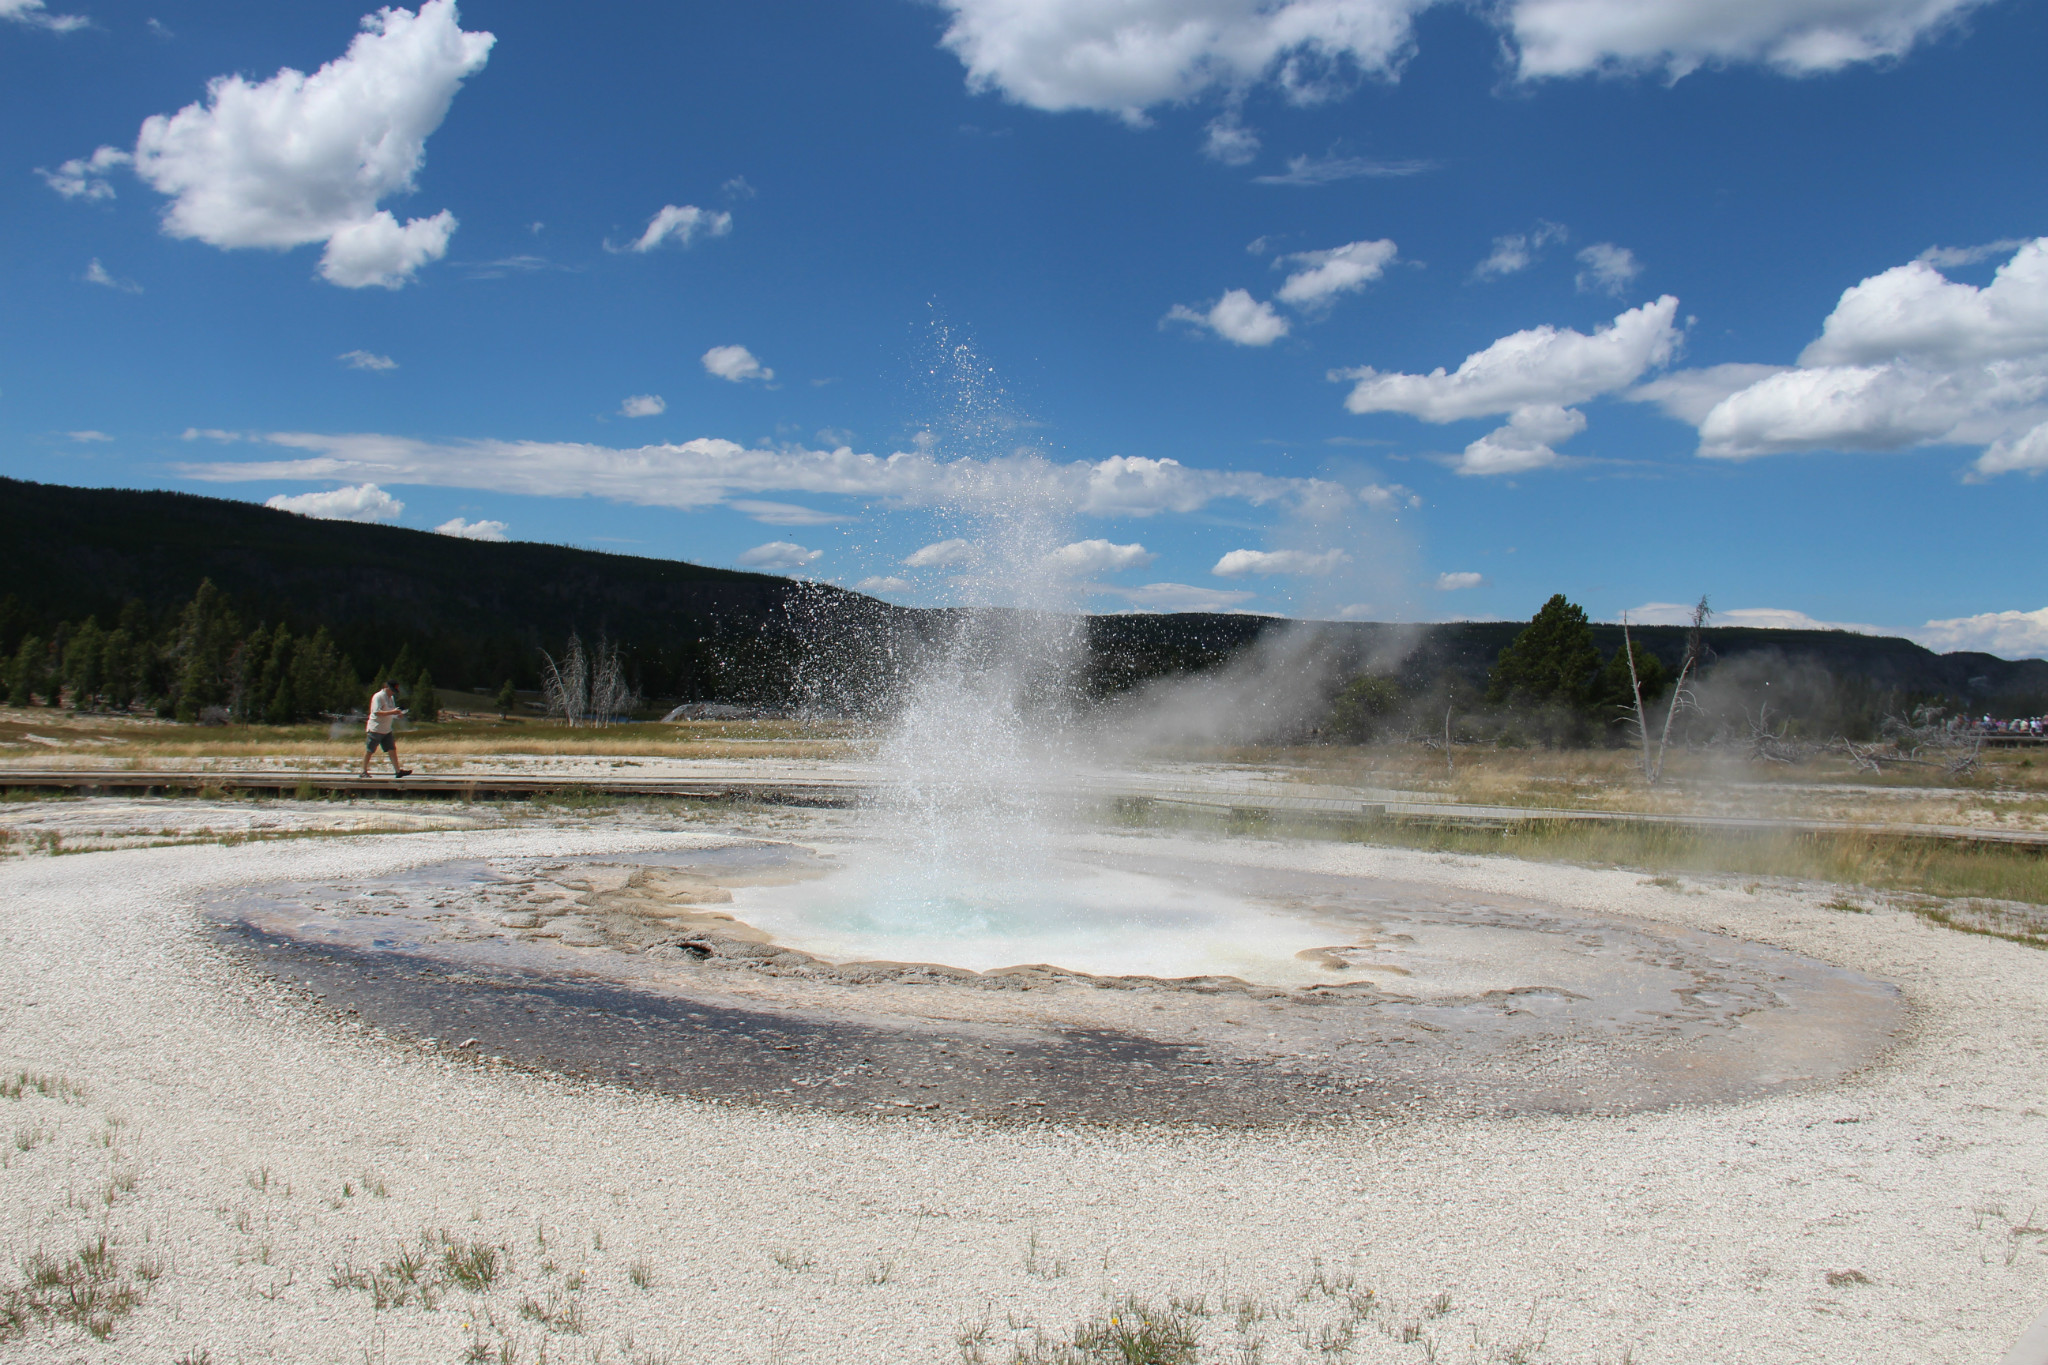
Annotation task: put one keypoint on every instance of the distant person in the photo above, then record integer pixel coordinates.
(384, 711)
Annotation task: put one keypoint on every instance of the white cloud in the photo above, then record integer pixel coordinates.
(1752, 618)
(1178, 597)
(1311, 171)
(383, 252)
(364, 503)
(35, 14)
(1689, 395)
(1126, 57)
(1130, 56)
(1913, 312)
(2012, 634)
(1229, 141)
(1907, 357)
(886, 583)
(943, 554)
(1455, 582)
(2026, 453)
(1543, 366)
(1609, 269)
(1340, 270)
(643, 405)
(783, 513)
(1518, 251)
(1236, 317)
(708, 472)
(1238, 563)
(1099, 556)
(366, 360)
(95, 273)
(681, 224)
(1948, 257)
(88, 437)
(472, 530)
(735, 363)
(1572, 37)
(779, 554)
(85, 177)
(1524, 443)
(298, 158)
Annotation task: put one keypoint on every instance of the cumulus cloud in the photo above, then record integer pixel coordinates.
(1311, 171)
(471, 530)
(36, 14)
(85, 177)
(1752, 618)
(1454, 582)
(1236, 317)
(943, 554)
(678, 223)
(366, 360)
(1340, 270)
(1125, 58)
(1948, 257)
(735, 363)
(366, 502)
(1799, 37)
(708, 472)
(1179, 597)
(643, 405)
(2011, 634)
(1543, 366)
(1907, 357)
(1099, 556)
(885, 583)
(95, 273)
(1239, 563)
(782, 513)
(1518, 250)
(1609, 269)
(299, 159)
(1524, 443)
(778, 554)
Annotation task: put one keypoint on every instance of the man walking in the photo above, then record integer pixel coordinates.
(384, 710)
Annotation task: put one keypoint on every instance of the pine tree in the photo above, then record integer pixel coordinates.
(426, 702)
(84, 663)
(1551, 663)
(25, 672)
(508, 700)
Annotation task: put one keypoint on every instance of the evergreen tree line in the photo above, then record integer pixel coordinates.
(200, 663)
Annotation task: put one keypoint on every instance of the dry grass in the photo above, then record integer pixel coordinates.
(142, 739)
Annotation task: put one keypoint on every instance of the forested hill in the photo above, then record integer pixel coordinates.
(476, 610)
(478, 613)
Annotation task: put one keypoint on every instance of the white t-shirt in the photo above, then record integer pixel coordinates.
(385, 700)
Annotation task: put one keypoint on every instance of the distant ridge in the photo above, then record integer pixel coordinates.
(478, 611)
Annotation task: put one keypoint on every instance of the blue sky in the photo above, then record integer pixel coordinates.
(1744, 300)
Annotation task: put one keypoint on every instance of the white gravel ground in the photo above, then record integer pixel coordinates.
(263, 1149)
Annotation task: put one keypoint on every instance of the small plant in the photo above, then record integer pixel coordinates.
(558, 1313)
(88, 1290)
(793, 1260)
(1037, 1263)
(1844, 904)
(881, 1272)
(1842, 1279)
(641, 1273)
(1135, 1333)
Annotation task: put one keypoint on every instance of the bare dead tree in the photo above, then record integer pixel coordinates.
(611, 696)
(1682, 698)
(566, 682)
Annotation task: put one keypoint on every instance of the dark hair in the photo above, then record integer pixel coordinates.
(391, 684)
